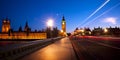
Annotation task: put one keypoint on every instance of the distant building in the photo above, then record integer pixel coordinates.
(8, 33)
(63, 31)
(111, 31)
(81, 31)
(97, 31)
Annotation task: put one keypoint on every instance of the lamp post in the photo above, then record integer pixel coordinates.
(50, 25)
(105, 31)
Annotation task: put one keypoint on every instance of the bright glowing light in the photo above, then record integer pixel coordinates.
(90, 32)
(96, 11)
(50, 22)
(61, 31)
(110, 20)
(105, 30)
(63, 23)
(4, 21)
(82, 30)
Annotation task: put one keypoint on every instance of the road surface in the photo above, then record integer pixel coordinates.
(60, 50)
(93, 48)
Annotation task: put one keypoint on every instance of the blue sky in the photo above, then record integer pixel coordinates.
(37, 12)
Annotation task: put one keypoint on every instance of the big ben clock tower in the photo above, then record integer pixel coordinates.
(63, 31)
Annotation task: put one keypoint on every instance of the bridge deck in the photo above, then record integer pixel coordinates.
(60, 50)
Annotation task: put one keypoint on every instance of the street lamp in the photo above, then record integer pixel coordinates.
(61, 31)
(50, 25)
(105, 30)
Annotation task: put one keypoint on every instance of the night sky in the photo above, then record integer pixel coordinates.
(76, 12)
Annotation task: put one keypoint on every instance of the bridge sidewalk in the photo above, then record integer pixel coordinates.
(60, 50)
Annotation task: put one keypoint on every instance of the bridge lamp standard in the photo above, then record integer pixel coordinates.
(105, 30)
(50, 25)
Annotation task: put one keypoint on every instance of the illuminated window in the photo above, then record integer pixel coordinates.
(4, 21)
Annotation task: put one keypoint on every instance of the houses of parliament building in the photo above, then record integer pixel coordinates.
(8, 33)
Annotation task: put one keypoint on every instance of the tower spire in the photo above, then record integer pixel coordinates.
(26, 26)
(63, 18)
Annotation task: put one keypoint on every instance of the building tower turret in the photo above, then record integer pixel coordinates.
(5, 25)
(27, 29)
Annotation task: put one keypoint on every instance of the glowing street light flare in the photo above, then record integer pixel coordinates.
(82, 30)
(105, 30)
(61, 31)
(50, 22)
(50, 25)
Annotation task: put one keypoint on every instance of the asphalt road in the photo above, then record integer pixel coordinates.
(98, 48)
(60, 50)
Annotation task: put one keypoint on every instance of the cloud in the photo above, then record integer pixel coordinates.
(111, 20)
